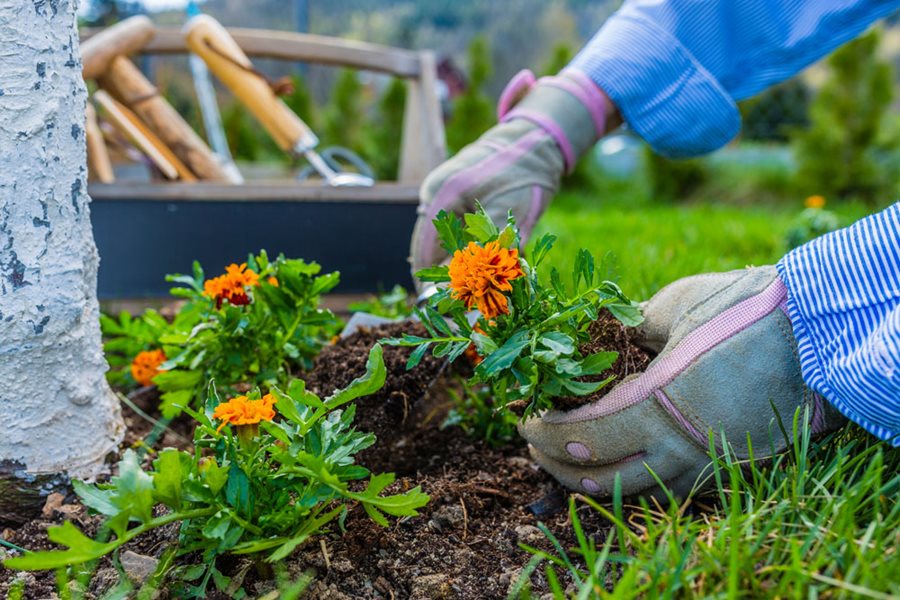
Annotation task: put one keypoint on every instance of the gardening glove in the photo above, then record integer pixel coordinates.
(545, 125)
(727, 358)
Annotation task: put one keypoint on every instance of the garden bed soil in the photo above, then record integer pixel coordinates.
(485, 501)
(609, 334)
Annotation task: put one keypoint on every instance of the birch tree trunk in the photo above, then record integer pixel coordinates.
(58, 416)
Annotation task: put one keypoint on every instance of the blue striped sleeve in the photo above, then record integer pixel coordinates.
(844, 304)
(675, 68)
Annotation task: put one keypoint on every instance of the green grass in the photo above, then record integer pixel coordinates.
(821, 522)
(650, 244)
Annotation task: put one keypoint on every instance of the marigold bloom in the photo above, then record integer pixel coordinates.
(479, 276)
(272, 281)
(145, 366)
(231, 286)
(242, 411)
(471, 352)
(815, 202)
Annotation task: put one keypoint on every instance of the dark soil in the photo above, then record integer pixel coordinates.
(609, 334)
(485, 501)
(385, 413)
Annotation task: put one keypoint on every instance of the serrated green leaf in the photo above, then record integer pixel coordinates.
(417, 355)
(450, 231)
(598, 362)
(171, 468)
(435, 274)
(558, 342)
(480, 226)
(367, 384)
(505, 356)
(80, 550)
(629, 314)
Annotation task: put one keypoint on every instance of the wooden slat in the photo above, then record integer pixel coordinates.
(423, 146)
(300, 47)
(391, 193)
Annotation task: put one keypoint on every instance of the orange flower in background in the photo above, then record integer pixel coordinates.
(272, 281)
(479, 276)
(815, 202)
(242, 412)
(471, 352)
(231, 286)
(145, 366)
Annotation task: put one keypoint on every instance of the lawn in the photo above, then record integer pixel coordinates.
(648, 244)
(822, 521)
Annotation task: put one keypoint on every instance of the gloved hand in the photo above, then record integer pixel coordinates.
(545, 125)
(727, 354)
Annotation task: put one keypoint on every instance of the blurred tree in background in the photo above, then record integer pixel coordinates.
(773, 114)
(560, 57)
(673, 179)
(472, 112)
(343, 122)
(300, 101)
(386, 131)
(847, 152)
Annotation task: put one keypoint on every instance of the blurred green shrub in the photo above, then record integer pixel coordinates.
(385, 131)
(472, 111)
(815, 220)
(847, 152)
(770, 116)
(672, 180)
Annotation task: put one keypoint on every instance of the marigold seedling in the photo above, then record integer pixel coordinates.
(265, 487)
(529, 330)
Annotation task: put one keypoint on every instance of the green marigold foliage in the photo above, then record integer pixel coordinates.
(266, 495)
(261, 343)
(531, 352)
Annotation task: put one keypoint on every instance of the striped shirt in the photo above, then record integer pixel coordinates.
(675, 69)
(844, 304)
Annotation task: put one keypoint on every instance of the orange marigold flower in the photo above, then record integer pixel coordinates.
(815, 202)
(272, 281)
(479, 276)
(145, 366)
(242, 411)
(471, 352)
(231, 286)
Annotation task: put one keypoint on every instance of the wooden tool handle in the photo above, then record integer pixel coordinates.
(99, 166)
(146, 141)
(123, 38)
(125, 82)
(209, 40)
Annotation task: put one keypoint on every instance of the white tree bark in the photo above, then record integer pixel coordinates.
(57, 413)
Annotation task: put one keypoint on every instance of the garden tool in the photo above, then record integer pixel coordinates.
(209, 108)
(145, 140)
(105, 59)
(99, 166)
(124, 38)
(727, 364)
(211, 42)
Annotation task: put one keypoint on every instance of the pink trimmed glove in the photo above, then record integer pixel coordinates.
(727, 355)
(545, 126)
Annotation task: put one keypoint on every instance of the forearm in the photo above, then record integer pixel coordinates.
(674, 68)
(844, 303)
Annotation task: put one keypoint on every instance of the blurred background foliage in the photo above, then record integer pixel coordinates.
(831, 131)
